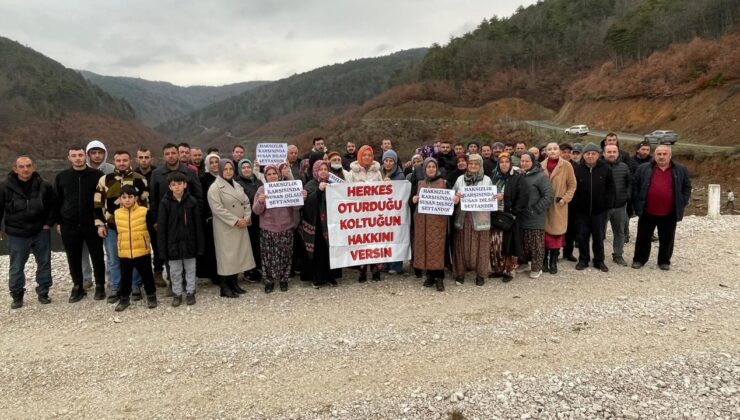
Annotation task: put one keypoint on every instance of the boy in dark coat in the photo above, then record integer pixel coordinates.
(180, 236)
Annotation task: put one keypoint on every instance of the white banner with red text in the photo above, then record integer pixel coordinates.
(368, 222)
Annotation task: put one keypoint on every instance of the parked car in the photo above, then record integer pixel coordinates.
(579, 130)
(662, 137)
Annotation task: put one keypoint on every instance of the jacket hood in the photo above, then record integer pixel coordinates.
(13, 178)
(96, 144)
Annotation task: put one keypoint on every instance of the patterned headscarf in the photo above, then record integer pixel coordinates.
(273, 167)
(316, 167)
(280, 172)
(472, 178)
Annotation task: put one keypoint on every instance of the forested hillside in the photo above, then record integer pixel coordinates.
(157, 102)
(333, 87)
(44, 107)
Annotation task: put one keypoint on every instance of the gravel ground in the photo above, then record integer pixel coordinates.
(626, 344)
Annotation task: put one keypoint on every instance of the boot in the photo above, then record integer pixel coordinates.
(226, 289)
(376, 274)
(99, 292)
(235, 287)
(546, 260)
(44, 298)
(151, 301)
(283, 286)
(429, 282)
(122, 304)
(553, 268)
(440, 281)
(418, 273)
(159, 279)
(176, 301)
(78, 292)
(363, 275)
(479, 281)
(17, 299)
(269, 287)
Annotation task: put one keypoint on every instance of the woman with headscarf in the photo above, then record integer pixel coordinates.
(365, 169)
(563, 181)
(313, 157)
(430, 230)
(335, 165)
(315, 230)
(461, 166)
(472, 228)
(391, 171)
(205, 265)
(299, 250)
(532, 220)
(251, 183)
(276, 235)
(231, 216)
(513, 197)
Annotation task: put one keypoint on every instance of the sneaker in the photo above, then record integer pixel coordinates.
(190, 299)
(522, 268)
(269, 287)
(535, 275)
(87, 283)
(459, 280)
(44, 299)
(113, 298)
(392, 272)
(151, 301)
(315, 285)
(571, 258)
(176, 301)
(332, 283)
(284, 286)
(664, 267)
(619, 261)
(637, 265)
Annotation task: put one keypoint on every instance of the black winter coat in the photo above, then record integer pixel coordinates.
(681, 187)
(75, 191)
(159, 187)
(595, 192)
(179, 228)
(26, 214)
(622, 182)
(516, 200)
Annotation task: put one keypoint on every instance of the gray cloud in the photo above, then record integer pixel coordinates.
(188, 42)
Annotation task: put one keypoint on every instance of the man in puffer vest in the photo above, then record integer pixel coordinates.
(134, 248)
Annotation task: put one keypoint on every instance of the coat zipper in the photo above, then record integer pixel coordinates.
(591, 195)
(130, 234)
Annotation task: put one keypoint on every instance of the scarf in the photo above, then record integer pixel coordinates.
(472, 178)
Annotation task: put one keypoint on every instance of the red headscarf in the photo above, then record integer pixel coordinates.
(362, 151)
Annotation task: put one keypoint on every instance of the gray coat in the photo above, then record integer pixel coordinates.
(233, 248)
(540, 198)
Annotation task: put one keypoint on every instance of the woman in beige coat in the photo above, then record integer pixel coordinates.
(563, 181)
(231, 216)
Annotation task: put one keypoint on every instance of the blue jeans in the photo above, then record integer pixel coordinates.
(20, 248)
(113, 264)
(396, 266)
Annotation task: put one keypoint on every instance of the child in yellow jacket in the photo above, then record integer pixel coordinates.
(134, 248)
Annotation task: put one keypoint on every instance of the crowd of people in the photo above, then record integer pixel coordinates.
(134, 225)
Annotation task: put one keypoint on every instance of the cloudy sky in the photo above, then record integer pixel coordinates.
(226, 41)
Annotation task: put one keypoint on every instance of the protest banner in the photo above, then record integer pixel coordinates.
(335, 179)
(271, 153)
(368, 222)
(436, 201)
(283, 194)
(479, 198)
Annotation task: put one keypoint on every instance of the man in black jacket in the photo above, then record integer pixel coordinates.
(27, 205)
(617, 215)
(661, 191)
(446, 158)
(75, 188)
(159, 187)
(350, 155)
(593, 198)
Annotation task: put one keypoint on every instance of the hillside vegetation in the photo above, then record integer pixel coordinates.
(338, 86)
(45, 107)
(158, 102)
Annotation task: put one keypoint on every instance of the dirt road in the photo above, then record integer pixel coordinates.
(628, 343)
